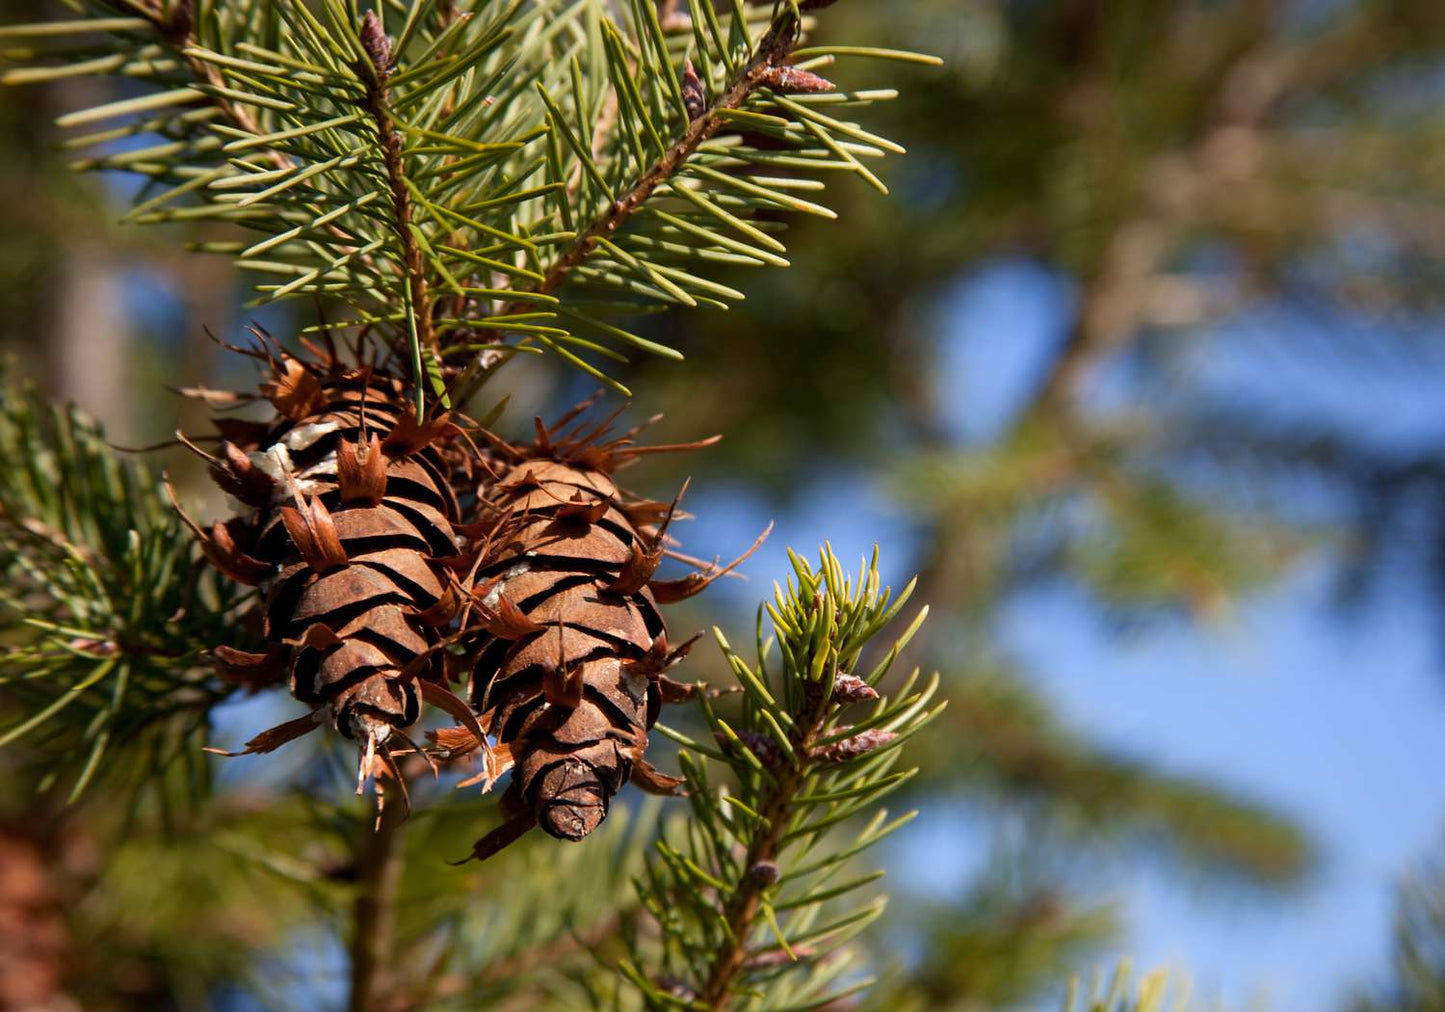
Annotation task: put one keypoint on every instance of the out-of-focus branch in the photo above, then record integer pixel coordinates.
(1181, 187)
(380, 865)
(520, 966)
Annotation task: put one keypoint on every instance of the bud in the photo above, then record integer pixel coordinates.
(376, 43)
(694, 96)
(792, 79)
(851, 748)
(852, 689)
(763, 873)
(181, 22)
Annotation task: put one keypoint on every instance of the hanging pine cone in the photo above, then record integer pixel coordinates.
(570, 668)
(349, 509)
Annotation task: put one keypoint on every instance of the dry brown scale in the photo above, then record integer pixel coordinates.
(348, 528)
(572, 654)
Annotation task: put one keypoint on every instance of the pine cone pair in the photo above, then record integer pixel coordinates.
(352, 529)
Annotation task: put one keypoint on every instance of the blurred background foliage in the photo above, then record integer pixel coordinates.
(1227, 215)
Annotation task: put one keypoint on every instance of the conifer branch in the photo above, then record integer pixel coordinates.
(741, 911)
(105, 617)
(760, 858)
(772, 52)
(177, 28)
(528, 175)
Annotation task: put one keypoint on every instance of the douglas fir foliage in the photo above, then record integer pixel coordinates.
(470, 177)
(467, 181)
(754, 897)
(103, 615)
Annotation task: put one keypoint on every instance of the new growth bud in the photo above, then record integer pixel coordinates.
(694, 96)
(851, 748)
(763, 873)
(376, 43)
(792, 79)
(852, 689)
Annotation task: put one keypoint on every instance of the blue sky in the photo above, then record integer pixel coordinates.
(1341, 724)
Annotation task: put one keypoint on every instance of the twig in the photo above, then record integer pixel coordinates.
(1252, 89)
(741, 911)
(772, 51)
(378, 103)
(178, 29)
(509, 970)
(1112, 306)
(380, 865)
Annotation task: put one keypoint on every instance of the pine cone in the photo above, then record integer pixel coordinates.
(570, 668)
(349, 510)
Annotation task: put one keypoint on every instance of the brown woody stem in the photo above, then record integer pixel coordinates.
(378, 103)
(515, 969)
(741, 911)
(380, 863)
